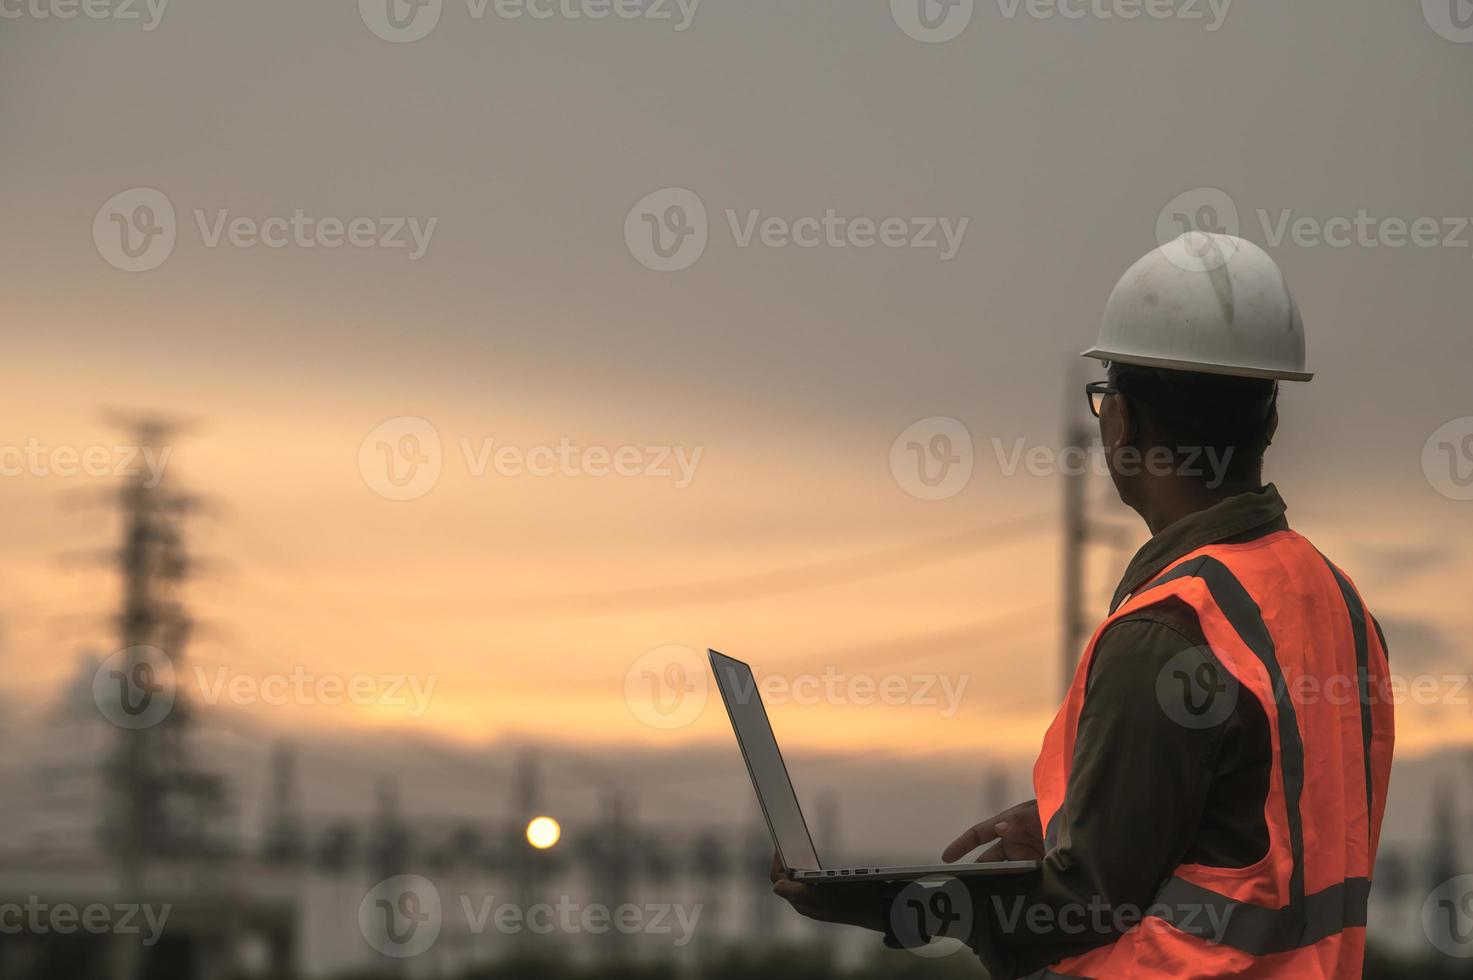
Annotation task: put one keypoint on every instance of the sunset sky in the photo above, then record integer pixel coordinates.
(792, 371)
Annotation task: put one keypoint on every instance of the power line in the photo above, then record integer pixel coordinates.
(797, 578)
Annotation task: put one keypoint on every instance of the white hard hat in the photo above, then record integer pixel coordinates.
(1208, 303)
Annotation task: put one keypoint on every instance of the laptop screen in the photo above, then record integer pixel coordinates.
(764, 762)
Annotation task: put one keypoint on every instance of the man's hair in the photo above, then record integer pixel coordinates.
(1189, 412)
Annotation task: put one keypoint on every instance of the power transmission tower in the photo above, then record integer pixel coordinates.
(160, 805)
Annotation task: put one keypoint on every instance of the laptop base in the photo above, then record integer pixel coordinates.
(917, 872)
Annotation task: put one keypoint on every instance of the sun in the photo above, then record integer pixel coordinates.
(543, 832)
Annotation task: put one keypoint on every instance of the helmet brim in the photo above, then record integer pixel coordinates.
(1199, 367)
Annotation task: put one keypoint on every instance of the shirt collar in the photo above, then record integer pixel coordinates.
(1262, 510)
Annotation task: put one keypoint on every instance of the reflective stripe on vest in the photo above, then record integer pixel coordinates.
(1231, 926)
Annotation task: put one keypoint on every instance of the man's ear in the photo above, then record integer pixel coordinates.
(1119, 428)
(1273, 427)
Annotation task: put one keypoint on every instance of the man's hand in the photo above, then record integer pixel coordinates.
(1015, 835)
(856, 904)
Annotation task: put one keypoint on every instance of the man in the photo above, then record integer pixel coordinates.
(1210, 795)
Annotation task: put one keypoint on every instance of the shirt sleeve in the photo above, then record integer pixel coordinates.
(1137, 787)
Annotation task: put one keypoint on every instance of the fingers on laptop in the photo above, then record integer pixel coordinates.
(973, 838)
(1012, 835)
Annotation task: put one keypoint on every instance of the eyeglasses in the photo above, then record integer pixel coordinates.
(1096, 392)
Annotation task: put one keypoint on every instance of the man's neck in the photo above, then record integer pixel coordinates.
(1183, 498)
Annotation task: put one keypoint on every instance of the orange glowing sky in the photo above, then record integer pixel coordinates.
(525, 602)
(528, 321)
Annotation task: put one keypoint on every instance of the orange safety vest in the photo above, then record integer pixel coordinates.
(1290, 629)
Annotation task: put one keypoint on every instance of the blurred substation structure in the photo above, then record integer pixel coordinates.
(120, 809)
(120, 814)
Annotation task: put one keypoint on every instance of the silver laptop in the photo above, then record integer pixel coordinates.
(780, 804)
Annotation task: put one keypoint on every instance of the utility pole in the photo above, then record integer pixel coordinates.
(1079, 530)
(1075, 533)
